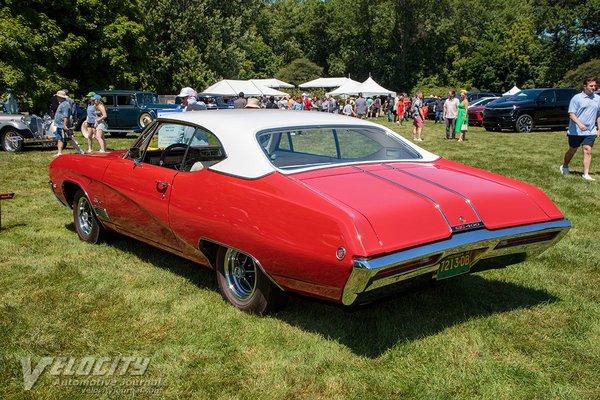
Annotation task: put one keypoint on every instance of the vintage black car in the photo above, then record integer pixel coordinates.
(130, 110)
(530, 109)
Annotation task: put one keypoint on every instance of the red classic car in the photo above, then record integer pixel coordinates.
(324, 205)
(476, 110)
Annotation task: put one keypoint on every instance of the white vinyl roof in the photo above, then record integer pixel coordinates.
(237, 129)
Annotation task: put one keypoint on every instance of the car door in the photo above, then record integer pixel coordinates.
(563, 98)
(545, 106)
(112, 111)
(126, 111)
(138, 192)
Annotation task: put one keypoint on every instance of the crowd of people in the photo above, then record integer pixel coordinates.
(584, 115)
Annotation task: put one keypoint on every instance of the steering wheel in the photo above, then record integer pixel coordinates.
(170, 147)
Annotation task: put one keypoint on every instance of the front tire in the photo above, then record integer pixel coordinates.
(87, 225)
(12, 141)
(524, 123)
(243, 284)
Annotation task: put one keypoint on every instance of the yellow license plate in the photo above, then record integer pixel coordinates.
(453, 265)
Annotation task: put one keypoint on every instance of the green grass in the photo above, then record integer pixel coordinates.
(530, 331)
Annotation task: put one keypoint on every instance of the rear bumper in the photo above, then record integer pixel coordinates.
(490, 249)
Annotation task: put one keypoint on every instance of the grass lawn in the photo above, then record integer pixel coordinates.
(530, 331)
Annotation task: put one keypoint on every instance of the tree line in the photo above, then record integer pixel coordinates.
(163, 45)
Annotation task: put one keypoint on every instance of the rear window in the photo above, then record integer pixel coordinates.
(305, 147)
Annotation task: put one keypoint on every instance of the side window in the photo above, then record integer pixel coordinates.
(125, 101)
(564, 96)
(110, 100)
(180, 147)
(547, 96)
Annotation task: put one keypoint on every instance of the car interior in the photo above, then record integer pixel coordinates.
(181, 147)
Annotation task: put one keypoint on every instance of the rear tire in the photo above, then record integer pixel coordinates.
(12, 141)
(243, 284)
(87, 226)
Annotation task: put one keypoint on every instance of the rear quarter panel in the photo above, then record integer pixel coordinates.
(293, 232)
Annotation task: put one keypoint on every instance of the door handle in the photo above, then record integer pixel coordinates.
(161, 186)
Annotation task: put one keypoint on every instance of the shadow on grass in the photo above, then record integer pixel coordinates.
(372, 329)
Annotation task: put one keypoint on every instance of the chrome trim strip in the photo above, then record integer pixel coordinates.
(365, 269)
(467, 200)
(436, 205)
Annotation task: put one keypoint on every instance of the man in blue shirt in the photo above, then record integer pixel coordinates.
(584, 115)
(61, 123)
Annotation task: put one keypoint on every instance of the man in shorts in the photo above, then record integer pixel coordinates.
(418, 117)
(61, 123)
(584, 119)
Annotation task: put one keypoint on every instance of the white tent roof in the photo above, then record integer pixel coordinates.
(512, 91)
(325, 83)
(344, 89)
(272, 83)
(367, 88)
(231, 87)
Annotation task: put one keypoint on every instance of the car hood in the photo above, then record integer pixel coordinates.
(409, 204)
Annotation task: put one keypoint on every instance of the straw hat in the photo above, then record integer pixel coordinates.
(252, 103)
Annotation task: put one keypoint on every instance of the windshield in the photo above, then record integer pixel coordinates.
(305, 147)
(147, 98)
(529, 94)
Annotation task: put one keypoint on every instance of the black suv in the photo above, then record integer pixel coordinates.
(530, 109)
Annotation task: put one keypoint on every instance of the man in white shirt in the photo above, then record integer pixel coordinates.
(450, 113)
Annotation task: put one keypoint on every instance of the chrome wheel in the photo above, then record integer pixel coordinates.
(524, 123)
(85, 218)
(12, 141)
(240, 273)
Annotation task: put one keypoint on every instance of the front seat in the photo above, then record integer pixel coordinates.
(197, 166)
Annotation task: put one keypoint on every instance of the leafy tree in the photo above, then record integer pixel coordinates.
(575, 77)
(299, 71)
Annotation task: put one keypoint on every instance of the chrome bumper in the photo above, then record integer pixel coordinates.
(489, 249)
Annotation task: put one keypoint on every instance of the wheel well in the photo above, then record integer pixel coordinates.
(69, 189)
(210, 250)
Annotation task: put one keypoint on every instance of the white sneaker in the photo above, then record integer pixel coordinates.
(57, 155)
(564, 170)
(587, 178)
(90, 151)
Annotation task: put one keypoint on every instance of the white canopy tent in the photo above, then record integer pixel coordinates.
(512, 91)
(325, 83)
(231, 87)
(368, 88)
(272, 83)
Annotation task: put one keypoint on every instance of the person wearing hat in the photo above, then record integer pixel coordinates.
(61, 122)
(188, 99)
(252, 103)
(88, 128)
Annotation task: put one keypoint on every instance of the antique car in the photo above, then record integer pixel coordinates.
(18, 130)
(130, 110)
(319, 204)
